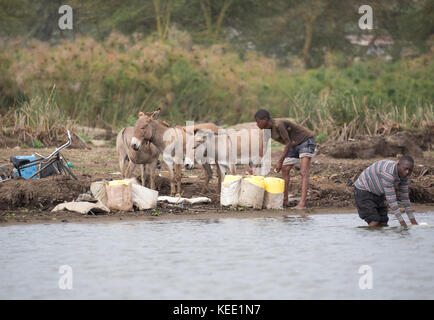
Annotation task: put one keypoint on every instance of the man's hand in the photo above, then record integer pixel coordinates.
(278, 166)
(252, 170)
(413, 221)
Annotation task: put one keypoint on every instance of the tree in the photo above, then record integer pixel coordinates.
(12, 14)
(214, 14)
(310, 11)
(163, 12)
(408, 22)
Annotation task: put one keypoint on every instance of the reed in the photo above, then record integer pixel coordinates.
(39, 122)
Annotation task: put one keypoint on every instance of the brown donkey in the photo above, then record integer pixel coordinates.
(170, 141)
(146, 157)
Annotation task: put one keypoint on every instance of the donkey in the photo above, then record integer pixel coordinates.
(251, 146)
(210, 148)
(207, 127)
(231, 147)
(146, 157)
(170, 141)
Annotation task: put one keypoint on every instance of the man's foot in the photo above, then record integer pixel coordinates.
(375, 224)
(289, 204)
(299, 207)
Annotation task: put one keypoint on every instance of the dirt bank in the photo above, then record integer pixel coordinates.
(367, 147)
(22, 137)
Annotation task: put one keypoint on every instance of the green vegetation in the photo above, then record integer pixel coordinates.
(110, 81)
(84, 137)
(37, 144)
(155, 212)
(321, 138)
(208, 60)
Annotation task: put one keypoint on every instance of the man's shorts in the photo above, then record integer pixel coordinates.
(304, 149)
(370, 206)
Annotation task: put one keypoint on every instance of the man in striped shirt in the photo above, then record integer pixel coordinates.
(376, 184)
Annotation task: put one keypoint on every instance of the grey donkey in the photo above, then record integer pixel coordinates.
(146, 157)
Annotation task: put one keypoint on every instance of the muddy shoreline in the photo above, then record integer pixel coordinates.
(330, 190)
(21, 218)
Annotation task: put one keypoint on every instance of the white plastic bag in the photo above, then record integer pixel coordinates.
(144, 198)
(82, 207)
(179, 200)
(99, 192)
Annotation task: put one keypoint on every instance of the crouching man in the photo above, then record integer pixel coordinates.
(377, 184)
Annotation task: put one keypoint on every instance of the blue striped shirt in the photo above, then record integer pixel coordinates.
(381, 178)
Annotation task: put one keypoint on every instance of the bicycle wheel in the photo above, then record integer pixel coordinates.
(65, 169)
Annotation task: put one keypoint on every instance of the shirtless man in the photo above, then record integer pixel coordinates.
(299, 148)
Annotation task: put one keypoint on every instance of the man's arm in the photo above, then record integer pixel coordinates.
(285, 137)
(389, 191)
(404, 196)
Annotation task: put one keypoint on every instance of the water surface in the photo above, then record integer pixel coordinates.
(318, 257)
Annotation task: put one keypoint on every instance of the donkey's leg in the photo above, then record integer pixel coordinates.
(221, 172)
(169, 163)
(152, 171)
(121, 166)
(178, 174)
(143, 174)
(208, 173)
(123, 163)
(232, 169)
(130, 169)
(172, 178)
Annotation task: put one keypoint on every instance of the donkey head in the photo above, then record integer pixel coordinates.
(143, 129)
(201, 139)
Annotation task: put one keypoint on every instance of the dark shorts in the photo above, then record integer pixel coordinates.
(304, 149)
(370, 206)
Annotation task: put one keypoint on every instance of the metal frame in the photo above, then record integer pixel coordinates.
(54, 157)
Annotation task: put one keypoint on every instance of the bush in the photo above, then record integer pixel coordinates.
(107, 82)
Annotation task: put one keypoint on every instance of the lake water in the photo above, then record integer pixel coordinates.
(318, 257)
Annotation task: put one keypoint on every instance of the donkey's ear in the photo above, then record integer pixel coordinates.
(141, 114)
(155, 113)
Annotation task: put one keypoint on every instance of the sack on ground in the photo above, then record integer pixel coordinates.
(252, 192)
(230, 190)
(82, 207)
(119, 195)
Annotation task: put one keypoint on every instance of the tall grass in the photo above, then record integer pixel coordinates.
(39, 121)
(106, 83)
